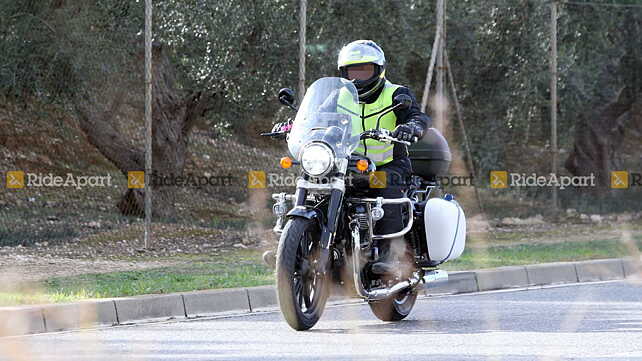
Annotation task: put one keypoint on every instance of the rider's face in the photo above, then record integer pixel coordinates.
(361, 71)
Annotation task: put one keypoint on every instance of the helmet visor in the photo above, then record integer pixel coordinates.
(360, 71)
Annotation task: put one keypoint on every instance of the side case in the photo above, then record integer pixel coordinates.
(445, 230)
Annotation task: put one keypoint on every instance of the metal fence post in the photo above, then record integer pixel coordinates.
(553, 64)
(148, 120)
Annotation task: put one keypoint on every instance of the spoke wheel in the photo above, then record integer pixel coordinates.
(302, 291)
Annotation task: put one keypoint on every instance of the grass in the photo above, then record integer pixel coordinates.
(197, 276)
(30, 297)
(521, 254)
(244, 268)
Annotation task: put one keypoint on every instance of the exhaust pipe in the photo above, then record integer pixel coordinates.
(429, 277)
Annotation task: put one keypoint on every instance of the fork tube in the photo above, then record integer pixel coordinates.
(334, 210)
(301, 194)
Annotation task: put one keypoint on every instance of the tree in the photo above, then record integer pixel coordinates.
(614, 109)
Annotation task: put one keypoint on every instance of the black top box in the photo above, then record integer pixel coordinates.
(431, 155)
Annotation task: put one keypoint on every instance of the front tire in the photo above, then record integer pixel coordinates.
(302, 292)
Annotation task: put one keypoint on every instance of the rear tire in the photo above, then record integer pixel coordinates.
(301, 291)
(394, 308)
(398, 307)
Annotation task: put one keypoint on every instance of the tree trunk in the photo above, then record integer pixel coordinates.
(174, 114)
(600, 134)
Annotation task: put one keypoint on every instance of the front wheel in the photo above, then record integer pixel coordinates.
(302, 291)
(394, 308)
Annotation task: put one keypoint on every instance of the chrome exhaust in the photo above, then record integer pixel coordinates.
(431, 277)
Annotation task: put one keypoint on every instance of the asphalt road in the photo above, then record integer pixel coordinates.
(599, 321)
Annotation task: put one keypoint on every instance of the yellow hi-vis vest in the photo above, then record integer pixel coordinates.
(364, 117)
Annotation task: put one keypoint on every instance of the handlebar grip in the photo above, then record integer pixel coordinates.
(272, 134)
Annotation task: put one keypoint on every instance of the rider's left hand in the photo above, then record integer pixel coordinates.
(406, 132)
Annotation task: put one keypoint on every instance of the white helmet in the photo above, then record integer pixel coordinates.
(364, 52)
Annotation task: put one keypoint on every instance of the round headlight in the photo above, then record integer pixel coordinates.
(316, 159)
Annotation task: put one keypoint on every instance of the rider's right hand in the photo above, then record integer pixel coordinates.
(406, 132)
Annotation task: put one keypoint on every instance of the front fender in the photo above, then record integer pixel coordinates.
(307, 213)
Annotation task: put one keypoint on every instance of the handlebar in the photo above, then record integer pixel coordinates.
(274, 134)
(383, 135)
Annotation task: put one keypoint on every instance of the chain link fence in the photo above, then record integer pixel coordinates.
(498, 54)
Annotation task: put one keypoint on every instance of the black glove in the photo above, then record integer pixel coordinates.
(408, 132)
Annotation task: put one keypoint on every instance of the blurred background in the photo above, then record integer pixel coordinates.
(72, 101)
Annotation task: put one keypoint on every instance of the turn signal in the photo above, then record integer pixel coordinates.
(362, 165)
(286, 162)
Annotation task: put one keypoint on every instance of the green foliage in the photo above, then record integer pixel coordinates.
(244, 51)
(51, 49)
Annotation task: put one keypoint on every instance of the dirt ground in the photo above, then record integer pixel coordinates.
(123, 250)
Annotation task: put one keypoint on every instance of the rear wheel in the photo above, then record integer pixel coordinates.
(394, 308)
(302, 291)
(397, 307)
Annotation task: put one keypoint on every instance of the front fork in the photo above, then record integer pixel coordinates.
(330, 229)
(328, 224)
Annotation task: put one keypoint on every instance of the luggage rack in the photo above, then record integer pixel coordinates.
(423, 186)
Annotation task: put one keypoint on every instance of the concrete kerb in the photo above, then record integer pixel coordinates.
(85, 314)
(207, 303)
(262, 297)
(502, 277)
(15, 321)
(599, 270)
(89, 314)
(552, 273)
(150, 308)
(632, 267)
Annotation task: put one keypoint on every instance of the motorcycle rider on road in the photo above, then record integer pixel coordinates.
(363, 62)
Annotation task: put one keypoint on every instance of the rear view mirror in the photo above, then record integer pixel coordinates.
(404, 101)
(286, 97)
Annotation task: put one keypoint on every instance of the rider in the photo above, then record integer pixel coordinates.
(363, 62)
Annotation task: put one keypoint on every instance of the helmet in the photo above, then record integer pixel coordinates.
(364, 52)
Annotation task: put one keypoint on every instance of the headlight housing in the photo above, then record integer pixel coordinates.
(317, 159)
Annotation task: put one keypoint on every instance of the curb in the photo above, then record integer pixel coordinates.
(212, 302)
(17, 321)
(502, 277)
(150, 308)
(72, 316)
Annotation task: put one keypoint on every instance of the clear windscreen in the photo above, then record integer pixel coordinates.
(319, 117)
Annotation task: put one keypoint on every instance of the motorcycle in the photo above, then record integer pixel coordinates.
(327, 226)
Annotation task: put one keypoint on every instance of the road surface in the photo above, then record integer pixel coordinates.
(597, 321)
